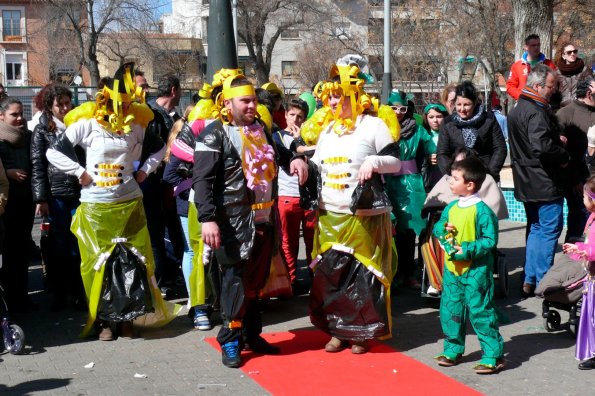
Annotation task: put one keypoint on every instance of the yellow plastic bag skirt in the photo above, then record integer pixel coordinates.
(367, 238)
(197, 282)
(95, 225)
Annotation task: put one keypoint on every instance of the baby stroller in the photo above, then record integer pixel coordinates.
(562, 289)
(433, 258)
(13, 335)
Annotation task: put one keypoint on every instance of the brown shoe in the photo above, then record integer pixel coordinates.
(106, 333)
(335, 345)
(126, 330)
(486, 369)
(358, 348)
(447, 362)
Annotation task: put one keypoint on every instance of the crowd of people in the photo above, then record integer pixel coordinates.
(242, 174)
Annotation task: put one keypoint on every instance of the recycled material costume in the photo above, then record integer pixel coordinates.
(585, 339)
(234, 179)
(355, 258)
(468, 285)
(111, 214)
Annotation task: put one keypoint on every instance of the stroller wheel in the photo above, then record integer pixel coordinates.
(15, 342)
(552, 321)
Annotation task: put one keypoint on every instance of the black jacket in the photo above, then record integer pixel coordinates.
(490, 144)
(222, 195)
(46, 179)
(536, 152)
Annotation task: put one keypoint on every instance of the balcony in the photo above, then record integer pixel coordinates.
(12, 38)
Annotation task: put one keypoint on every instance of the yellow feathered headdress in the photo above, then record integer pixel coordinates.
(206, 107)
(107, 108)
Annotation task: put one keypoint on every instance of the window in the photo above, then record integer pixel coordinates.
(11, 22)
(288, 68)
(290, 34)
(375, 30)
(11, 25)
(15, 69)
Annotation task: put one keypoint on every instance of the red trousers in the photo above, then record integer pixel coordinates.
(292, 216)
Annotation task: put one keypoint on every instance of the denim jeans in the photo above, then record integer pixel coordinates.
(188, 253)
(546, 222)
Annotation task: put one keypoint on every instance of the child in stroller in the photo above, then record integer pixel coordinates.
(431, 251)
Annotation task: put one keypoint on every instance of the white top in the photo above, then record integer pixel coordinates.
(111, 161)
(339, 158)
(288, 184)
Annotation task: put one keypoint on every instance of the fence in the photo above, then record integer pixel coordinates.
(80, 95)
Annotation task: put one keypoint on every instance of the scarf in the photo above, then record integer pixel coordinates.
(532, 95)
(408, 128)
(13, 135)
(469, 128)
(571, 69)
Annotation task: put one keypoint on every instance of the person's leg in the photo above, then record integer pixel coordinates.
(453, 315)
(232, 308)
(155, 224)
(309, 222)
(289, 217)
(188, 253)
(405, 242)
(577, 214)
(533, 242)
(479, 292)
(551, 224)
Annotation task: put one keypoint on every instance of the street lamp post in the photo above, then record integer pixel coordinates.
(387, 83)
(220, 38)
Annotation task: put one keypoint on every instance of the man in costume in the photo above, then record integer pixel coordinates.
(350, 294)
(234, 179)
(111, 131)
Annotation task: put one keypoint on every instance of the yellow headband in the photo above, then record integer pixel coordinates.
(242, 90)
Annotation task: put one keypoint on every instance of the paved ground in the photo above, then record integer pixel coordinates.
(176, 361)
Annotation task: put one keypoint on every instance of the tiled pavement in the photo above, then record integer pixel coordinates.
(176, 361)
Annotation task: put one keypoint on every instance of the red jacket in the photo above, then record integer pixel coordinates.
(518, 75)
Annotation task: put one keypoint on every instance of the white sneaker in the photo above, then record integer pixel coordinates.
(432, 291)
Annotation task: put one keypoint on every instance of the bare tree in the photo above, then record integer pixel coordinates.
(261, 23)
(91, 19)
(533, 17)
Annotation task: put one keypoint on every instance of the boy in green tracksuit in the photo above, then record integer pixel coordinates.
(468, 230)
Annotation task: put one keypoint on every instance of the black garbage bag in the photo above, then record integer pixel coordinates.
(309, 190)
(126, 293)
(369, 195)
(347, 301)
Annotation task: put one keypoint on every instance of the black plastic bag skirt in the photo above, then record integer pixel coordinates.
(346, 300)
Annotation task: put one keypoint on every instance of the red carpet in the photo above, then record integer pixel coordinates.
(304, 368)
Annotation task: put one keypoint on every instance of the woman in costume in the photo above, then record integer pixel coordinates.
(350, 295)
(434, 116)
(110, 223)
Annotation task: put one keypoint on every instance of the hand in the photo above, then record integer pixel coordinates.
(140, 177)
(85, 179)
(211, 235)
(569, 248)
(564, 140)
(42, 209)
(19, 175)
(365, 171)
(450, 227)
(299, 167)
(433, 159)
(294, 130)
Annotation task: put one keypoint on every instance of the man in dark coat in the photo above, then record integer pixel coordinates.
(235, 185)
(575, 119)
(538, 162)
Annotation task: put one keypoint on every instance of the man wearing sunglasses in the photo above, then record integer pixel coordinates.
(522, 67)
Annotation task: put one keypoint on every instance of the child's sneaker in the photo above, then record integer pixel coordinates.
(201, 320)
(432, 291)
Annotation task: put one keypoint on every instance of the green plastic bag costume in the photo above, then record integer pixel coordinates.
(95, 226)
(468, 284)
(406, 191)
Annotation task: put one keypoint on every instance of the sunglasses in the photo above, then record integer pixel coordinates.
(399, 109)
(572, 52)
